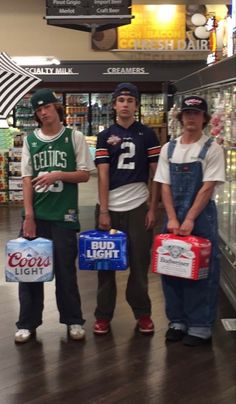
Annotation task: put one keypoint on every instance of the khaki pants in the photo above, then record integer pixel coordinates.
(139, 244)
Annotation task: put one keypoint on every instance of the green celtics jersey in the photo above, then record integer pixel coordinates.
(60, 202)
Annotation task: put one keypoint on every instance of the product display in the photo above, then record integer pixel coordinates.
(152, 109)
(14, 169)
(77, 109)
(92, 112)
(24, 115)
(4, 195)
(102, 114)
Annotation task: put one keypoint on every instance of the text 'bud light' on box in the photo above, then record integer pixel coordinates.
(102, 250)
(29, 260)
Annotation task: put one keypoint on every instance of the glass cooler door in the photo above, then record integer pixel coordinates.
(77, 110)
(226, 201)
(102, 114)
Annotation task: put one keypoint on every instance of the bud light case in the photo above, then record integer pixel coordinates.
(29, 260)
(103, 250)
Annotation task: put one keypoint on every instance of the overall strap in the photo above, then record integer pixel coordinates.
(205, 148)
(171, 148)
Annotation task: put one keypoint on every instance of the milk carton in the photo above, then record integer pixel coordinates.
(103, 250)
(184, 257)
(29, 260)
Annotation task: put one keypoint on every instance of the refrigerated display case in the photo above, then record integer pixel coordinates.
(152, 114)
(24, 115)
(102, 114)
(77, 111)
(91, 112)
(219, 89)
(152, 109)
(226, 205)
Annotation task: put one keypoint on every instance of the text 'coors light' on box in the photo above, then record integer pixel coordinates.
(29, 260)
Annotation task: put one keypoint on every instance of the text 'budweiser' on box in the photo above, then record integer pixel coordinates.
(185, 257)
(29, 260)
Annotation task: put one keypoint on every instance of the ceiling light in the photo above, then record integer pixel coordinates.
(36, 60)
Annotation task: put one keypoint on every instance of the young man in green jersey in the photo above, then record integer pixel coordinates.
(54, 160)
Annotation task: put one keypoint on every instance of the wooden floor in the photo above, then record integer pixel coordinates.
(122, 367)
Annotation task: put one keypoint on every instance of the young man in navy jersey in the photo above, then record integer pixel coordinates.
(126, 157)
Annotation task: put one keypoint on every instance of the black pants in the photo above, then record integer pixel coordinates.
(31, 295)
(139, 243)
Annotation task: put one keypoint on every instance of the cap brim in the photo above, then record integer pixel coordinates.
(179, 114)
(193, 109)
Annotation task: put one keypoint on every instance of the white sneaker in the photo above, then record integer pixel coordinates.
(23, 335)
(76, 331)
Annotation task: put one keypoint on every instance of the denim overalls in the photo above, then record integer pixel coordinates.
(191, 305)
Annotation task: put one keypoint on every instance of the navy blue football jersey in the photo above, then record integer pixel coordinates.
(128, 152)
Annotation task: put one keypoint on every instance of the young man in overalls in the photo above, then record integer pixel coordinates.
(189, 169)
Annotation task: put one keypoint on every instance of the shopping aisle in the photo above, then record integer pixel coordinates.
(122, 367)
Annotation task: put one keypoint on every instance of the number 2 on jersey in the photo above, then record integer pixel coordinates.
(128, 154)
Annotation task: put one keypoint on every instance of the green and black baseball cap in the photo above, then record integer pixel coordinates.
(42, 97)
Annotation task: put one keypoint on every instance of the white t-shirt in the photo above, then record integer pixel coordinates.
(128, 197)
(83, 157)
(213, 164)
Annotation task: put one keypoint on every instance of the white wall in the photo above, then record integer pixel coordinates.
(23, 32)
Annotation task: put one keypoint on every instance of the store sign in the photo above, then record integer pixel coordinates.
(115, 70)
(51, 71)
(66, 7)
(161, 28)
(110, 7)
(85, 7)
(88, 14)
(169, 45)
(103, 72)
(153, 28)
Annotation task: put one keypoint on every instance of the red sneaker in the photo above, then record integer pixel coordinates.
(145, 325)
(101, 326)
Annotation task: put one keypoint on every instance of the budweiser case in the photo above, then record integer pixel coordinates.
(184, 257)
(103, 250)
(29, 260)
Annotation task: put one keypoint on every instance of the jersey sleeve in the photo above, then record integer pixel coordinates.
(153, 146)
(83, 156)
(26, 164)
(102, 152)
